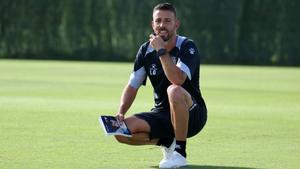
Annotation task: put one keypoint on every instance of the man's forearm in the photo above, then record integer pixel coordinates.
(127, 98)
(173, 73)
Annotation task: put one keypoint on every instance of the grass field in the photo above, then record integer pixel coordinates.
(49, 112)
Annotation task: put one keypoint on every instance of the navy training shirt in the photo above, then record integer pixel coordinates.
(185, 55)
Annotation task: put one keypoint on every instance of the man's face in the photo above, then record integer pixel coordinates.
(164, 24)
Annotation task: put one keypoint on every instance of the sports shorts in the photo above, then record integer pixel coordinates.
(161, 125)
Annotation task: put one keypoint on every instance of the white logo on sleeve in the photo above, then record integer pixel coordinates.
(192, 51)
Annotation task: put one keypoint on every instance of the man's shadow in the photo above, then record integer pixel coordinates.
(209, 167)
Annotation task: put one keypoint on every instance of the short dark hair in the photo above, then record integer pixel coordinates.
(165, 7)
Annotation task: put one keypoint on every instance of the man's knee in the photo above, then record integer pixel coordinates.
(122, 139)
(175, 93)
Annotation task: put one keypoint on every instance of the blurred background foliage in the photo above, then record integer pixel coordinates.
(250, 32)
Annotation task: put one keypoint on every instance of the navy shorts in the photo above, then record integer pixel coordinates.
(161, 125)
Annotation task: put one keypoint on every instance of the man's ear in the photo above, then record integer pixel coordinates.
(152, 24)
(177, 23)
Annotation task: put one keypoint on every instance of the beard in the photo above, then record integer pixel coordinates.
(167, 36)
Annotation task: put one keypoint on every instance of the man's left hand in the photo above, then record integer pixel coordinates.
(156, 42)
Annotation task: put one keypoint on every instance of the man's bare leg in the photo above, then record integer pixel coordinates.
(140, 130)
(180, 102)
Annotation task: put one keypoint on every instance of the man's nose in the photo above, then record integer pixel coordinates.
(162, 24)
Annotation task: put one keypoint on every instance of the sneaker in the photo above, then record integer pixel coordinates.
(167, 152)
(176, 160)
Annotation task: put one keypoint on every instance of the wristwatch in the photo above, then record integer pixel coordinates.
(161, 52)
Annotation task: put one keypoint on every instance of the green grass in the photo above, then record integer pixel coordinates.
(49, 112)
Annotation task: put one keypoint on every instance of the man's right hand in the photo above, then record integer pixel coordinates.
(120, 117)
(127, 99)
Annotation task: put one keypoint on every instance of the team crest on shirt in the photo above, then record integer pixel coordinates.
(174, 59)
(153, 70)
(192, 51)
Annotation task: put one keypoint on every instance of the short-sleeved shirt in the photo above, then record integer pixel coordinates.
(147, 64)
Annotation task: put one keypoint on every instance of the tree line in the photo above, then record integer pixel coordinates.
(253, 32)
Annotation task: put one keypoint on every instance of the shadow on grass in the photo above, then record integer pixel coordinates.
(209, 167)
